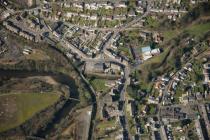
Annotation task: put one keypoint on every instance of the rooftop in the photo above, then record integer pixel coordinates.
(146, 49)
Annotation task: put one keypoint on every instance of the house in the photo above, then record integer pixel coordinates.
(145, 49)
(50, 40)
(145, 109)
(188, 67)
(121, 4)
(10, 26)
(184, 99)
(109, 6)
(131, 13)
(199, 96)
(110, 110)
(84, 16)
(140, 10)
(145, 35)
(67, 4)
(119, 17)
(152, 100)
(157, 37)
(174, 1)
(155, 51)
(117, 37)
(27, 35)
(93, 17)
(146, 56)
(70, 14)
(109, 18)
(87, 6)
(78, 6)
(146, 53)
(174, 85)
(115, 66)
(91, 6)
(206, 73)
(102, 4)
(134, 81)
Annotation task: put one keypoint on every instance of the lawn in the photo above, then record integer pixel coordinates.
(99, 84)
(125, 50)
(17, 108)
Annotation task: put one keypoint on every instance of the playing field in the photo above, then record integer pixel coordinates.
(15, 109)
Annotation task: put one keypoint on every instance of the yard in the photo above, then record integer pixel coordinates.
(17, 108)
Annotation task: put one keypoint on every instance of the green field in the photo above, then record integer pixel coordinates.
(99, 84)
(18, 108)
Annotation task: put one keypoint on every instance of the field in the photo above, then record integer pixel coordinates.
(195, 30)
(37, 55)
(17, 108)
(199, 29)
